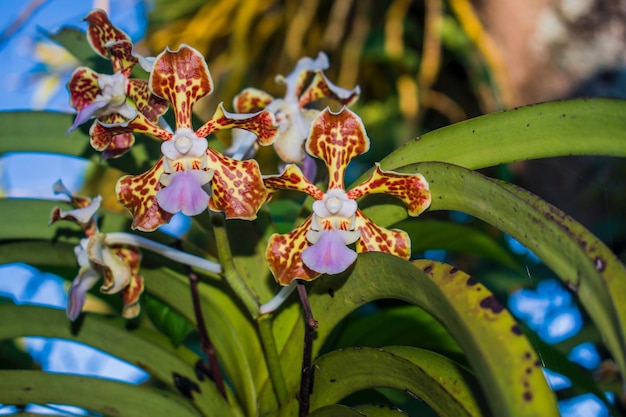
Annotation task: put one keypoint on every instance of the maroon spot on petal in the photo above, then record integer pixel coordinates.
(428, 268)
(471, 281)
(492, 304)
(515, 329)
(528, 396)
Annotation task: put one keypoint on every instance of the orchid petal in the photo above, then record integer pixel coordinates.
(184, 192)
(309, 167)
(87, 113)
(337, 138)
(77, 293)
(139, 124)
(284, 255)
(181, 77)
(251, 100)
(321, 87)
(300, 77)
(122, 58)
(237, 187)
(80, 215)
(116, 272)
(130, 297)
(83, 87)
(378, 239)
(329, 255)
(295, 125)
(102, 32)
(262, 124)
(412, 189)
(138, 195)
(147, 103)
(292, 178)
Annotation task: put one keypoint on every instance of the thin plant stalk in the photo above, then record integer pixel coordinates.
(310, 325)
(272, 358)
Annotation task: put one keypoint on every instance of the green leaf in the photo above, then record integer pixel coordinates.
(580, 259)
(141, 347)
(406, 325)
(438, 381)
(453, 237)
(107, 397)
(504, 362)
(167, 320)
(555, 128)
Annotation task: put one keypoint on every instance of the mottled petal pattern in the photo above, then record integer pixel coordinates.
(284, 255)
(237, 187)
(83, 87)
(378, 239)
(130, 297)
(115, 271)
(122, 58)
(292, 178)
(336, 138)
(181, 77)
(138, 195)
(101, 32)
(321, 87)
(412, 189)
(139, 124)
(262, 124)
(329, 255)
(251, 100)
(147, 103)
(301, 75)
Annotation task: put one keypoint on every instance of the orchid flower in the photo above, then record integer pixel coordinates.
(306, 84)
(320, 244)
(114, 256)
(117, 263)
(189, 170)
(111, 98)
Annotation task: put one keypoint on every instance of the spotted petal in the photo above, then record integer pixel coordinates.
(292, 178)
(251, 100)
(147, 103)
(181, 77)
(262, 124)
(138, 195)
(321, 87)
(103, 132)
(122, 58)
(329, 255)
(83, 87)
(237, 187)
(284, 255)
(412, 189)
(301, 75)
(130, 297)
(378, 239)
(337, 138)
(102, 32)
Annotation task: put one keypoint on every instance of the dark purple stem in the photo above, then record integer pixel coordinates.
(310, 324)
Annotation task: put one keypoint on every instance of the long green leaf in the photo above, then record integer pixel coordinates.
(503, 360)
(574, 127)
(580, 259)
(141, 347)
(443, 385)
(107, 397)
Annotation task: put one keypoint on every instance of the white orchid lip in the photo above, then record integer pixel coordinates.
(184, 144)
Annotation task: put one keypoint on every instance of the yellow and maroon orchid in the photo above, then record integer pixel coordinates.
(320, 244)
(111, 98)
(304, 85)
(191, 176)
(117, 263)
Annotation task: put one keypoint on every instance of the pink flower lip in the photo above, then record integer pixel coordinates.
(183, 192)
(329, 255)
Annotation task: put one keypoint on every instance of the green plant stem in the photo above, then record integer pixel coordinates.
(272, 358)
(229, 272)
(310, 324)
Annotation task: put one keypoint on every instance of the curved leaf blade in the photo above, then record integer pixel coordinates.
(107, 397)
(555, 128)
(442, 384)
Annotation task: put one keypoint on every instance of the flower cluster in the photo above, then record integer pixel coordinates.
(190, 176)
